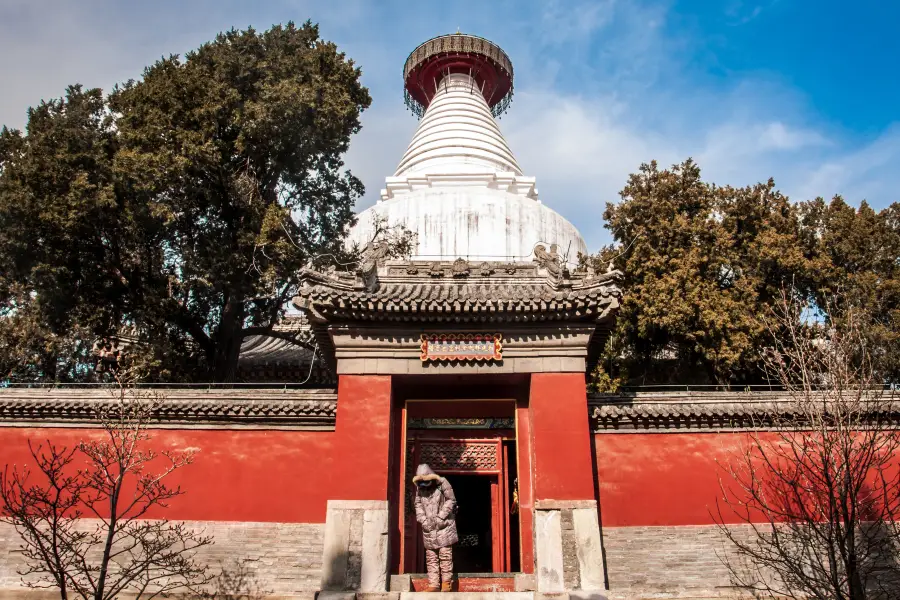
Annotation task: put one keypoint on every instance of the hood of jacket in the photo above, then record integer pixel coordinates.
(424, 473)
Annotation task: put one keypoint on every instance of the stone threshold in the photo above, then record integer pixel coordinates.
(572, 595)
(474, 582)
(467, 596)
(469, 575)
(467, 582)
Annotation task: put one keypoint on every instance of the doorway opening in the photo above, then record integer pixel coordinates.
(482, 471)
(473, 553)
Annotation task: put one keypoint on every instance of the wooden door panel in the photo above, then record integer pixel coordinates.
(449, 456)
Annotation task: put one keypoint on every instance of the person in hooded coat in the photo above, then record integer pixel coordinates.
(436, 513)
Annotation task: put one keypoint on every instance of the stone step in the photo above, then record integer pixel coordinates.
(467, 596)
(473, 582)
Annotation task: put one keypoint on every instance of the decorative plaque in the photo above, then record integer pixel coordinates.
(462, 346)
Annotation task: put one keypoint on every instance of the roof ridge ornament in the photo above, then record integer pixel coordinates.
(549, 260)
(460, 267)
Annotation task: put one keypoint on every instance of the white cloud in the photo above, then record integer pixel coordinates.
(567, 22)
(867, 173)
(581, 151)
(778, 136)
(601, 87)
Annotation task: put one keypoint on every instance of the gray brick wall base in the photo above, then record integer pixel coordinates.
(261, 560)
(668, 562)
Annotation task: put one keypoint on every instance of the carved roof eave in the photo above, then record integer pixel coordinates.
(457, 294)
(437, 292)
(673, 411)
(239, 408)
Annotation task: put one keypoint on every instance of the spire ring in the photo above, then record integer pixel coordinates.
(433, 60)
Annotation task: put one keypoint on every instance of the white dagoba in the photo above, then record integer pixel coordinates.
(461, 190)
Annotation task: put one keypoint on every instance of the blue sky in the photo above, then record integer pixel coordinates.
(805, 92)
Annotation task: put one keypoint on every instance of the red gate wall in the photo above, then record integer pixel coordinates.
(264, 476)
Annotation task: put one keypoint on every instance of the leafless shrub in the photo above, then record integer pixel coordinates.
(235, 581)
(82, 512)
(820, 489)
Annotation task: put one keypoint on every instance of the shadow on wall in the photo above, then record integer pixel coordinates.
(236, 581)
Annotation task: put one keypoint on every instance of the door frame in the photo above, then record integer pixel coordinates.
(494, 465)
(480, 452)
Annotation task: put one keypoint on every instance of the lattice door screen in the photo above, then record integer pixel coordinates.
(460, 456)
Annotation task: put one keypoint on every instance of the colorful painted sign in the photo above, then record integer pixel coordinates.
(462, 346)
(460, 423)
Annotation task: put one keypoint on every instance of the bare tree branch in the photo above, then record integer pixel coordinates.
(819, 493)
(122, 480)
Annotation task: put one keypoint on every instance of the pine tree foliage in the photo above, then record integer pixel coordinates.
(703, 266)
(180, 208)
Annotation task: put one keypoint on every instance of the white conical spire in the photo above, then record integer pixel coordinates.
(458, 187)
(457, 135)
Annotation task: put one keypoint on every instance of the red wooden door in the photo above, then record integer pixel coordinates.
(448, 456)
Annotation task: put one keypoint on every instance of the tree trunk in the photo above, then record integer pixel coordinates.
(857, 592)
(228, 342)
(100, 590)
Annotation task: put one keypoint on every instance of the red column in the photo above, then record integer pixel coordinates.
(560, 437)
(363, 438)
(526, 495)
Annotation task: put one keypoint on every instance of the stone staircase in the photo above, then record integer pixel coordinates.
(469, 582)
(467, 586)
(467, 596)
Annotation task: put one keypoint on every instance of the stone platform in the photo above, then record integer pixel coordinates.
(575, 595)
(467, 596)
(476, 582)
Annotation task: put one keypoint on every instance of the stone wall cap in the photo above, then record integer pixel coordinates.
(174, 408)
(357, 505)
(564, 504)
(714, 410)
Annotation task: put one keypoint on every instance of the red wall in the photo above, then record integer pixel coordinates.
(255, 475)
(278, 476)
(362, 451)
(662, 478)
(560, 437)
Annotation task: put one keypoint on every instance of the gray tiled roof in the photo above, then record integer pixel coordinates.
(258, 350)
(514, 292)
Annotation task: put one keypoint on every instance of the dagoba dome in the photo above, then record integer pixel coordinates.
(459, 186)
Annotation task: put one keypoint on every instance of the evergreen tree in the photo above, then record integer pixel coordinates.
(858, 264)
(181, 209)
(705, 265)
(700, 265)
(58, 217)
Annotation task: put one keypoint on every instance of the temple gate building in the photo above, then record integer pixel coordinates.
(469, 355)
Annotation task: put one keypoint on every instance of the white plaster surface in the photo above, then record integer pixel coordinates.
(460, 189)
(336, 548)
(589, 549)
(372, 542)
(457, 134)
(374, 574)
(549, 552)
(476, 223)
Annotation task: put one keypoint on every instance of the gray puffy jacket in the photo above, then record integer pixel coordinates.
(435, 510)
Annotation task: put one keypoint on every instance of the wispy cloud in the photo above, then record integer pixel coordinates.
(567, 22)
(601, 86)
(867, 173)
(741, 12)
